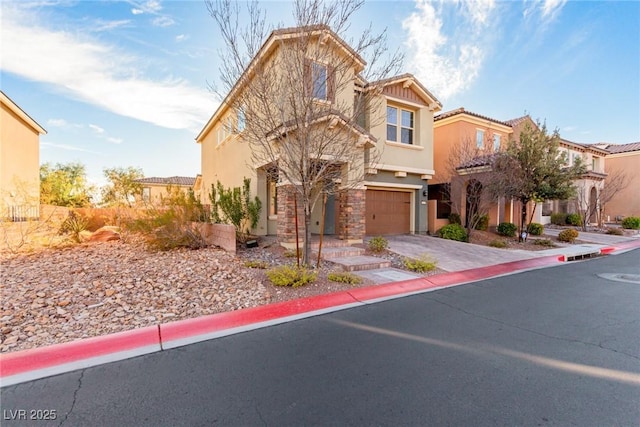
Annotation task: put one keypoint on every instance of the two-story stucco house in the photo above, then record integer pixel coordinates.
(380, 185)
(19, 162)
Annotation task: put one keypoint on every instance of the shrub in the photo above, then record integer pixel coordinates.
(535, 229)
(498, 244)
(378, 244)
(421, 265)
(236, 206)
(291, 276)
(574, 219)
(454, 218)
(615, 231)
(453, 232)
(507, 229)
(256, 264)
(481, 222)
(568, 235)
(344, 277)
(558, 218)
(74, 225)
(291, 253)
(544, 242)
(631, 223)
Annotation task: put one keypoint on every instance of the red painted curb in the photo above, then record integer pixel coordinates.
(58, 354)
(182, 329)
(607, 251)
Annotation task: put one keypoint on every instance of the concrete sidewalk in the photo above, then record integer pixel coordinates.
(597, 238)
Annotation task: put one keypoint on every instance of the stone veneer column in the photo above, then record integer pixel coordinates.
(352, 214)
(286, 218)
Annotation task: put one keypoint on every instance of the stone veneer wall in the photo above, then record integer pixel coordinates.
(286, 212)
(351, 224)
(222, 235)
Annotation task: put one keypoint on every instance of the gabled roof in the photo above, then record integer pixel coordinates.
(268, 46)
(585, 147)
(619, 148)
(518, 120)
(172, 180)
(461, 110)
(411, 80)
(4, 99)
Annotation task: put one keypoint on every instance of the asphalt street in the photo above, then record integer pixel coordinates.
(556, 346)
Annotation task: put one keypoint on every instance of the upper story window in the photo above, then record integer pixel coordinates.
(241, 120)
(480, 138)
(319, 80)
(496, 142)
(400, 125)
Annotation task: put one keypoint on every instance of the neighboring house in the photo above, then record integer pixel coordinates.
(623, 158)
(487, 135)
(391, 199)
(155, 189)
(19, 162)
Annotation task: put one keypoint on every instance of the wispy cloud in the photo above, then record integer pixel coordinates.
(448, 63)
(99, 74)
(182, 37)
(97, 129)
(62, 124)
(150, 6)
(68, 147)
(548, 9)
(114, 140)
(163, 21)
(99, 25)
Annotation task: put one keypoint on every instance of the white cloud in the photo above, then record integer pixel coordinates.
(97, 129)
(548, 9)
(68, 147)
(99, 74)
(137, 11)
(114, 140)
(448, 64)
(182, 37)
(101, 25)
(59, 123)
(163, 21)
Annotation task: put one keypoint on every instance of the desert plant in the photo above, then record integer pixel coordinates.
(291, 253)
(421, 265)
(498, 244)
(574, 219)
(378, 244)
(344, 277)
(507, 229)
(535, 229)
(544, 242)
(631, 223)
(615, 231)
(481, 222)
(291, 276)
(236, 207)
(74, 225)
(454, 218)
(453, 232)
(558, 218)
(256, 264)
(569, 235)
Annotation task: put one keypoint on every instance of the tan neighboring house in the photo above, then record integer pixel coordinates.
(154, 189)
(488, 135)
(19, 162)
(624, 158)
(392, 198)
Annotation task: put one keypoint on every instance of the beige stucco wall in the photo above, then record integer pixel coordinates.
(159, 191)
(626, 202)
(19, 160)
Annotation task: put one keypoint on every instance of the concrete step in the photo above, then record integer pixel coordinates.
(329, 243)
(330, 253)
(360, 263)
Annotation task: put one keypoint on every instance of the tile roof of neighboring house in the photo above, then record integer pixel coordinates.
(461, 110)
(476, 162)
(592, 147)
(517, 120)
(619, 148)
(172, 180)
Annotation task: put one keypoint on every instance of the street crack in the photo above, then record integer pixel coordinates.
(75, 396)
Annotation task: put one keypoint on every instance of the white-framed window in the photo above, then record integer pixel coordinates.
(319, 80)
(400, 125)
(480, 138)
(496, 142)
(241, 119)
(146, 194)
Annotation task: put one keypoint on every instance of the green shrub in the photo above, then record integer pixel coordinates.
(574, 219)
(235, 206)
(454, 218)
(631, 223)
(291, 253)
(256, 264)
(453, 232)
(378, 244)
(74, 225)
(507, 229)
(544, 242)
(558, 218)
(615, 231)
(568, 235)
(481, 222)
(498, 244)
(421, 265)
(344, 277)
(291, 276)
(535, 229)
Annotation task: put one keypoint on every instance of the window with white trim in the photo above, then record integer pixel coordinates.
(479, 138)
(400, 125)
(241, 120)
(496, 142)
(319, 80)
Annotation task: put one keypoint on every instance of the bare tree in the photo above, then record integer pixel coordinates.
(304, 109)
(616, 181)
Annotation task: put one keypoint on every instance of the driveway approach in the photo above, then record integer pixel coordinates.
(556, 346)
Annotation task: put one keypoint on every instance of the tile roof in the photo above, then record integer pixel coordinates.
(517, 120)
(619, 148)
(172, 180)
(461, 110)
(479, 161)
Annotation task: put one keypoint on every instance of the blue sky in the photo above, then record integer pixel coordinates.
(126, 83)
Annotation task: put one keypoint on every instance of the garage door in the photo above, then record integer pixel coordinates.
(388, 212)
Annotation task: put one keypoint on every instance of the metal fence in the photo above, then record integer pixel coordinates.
(23, 213)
